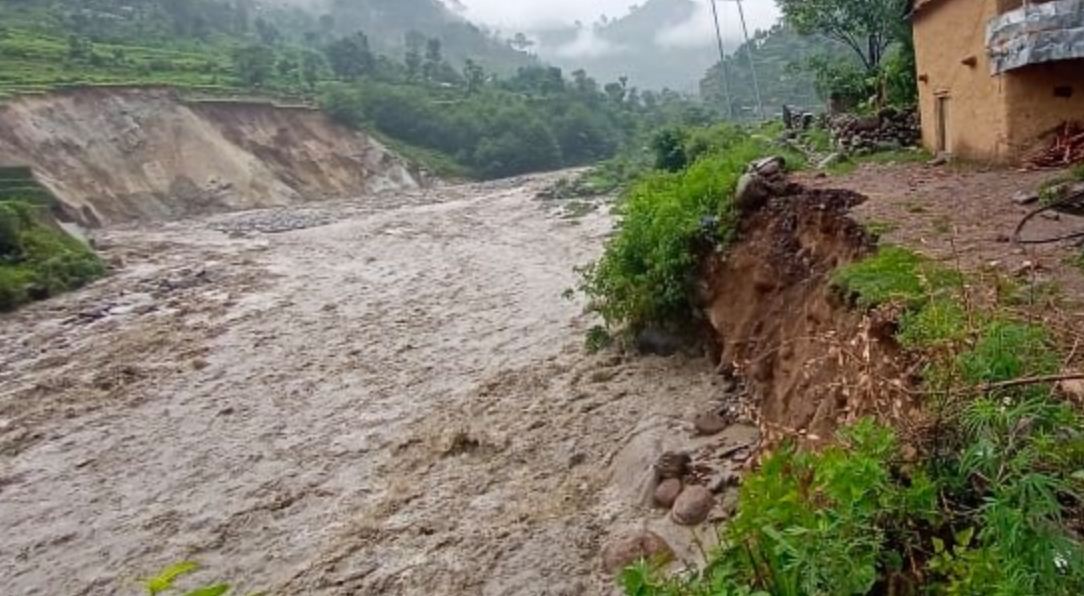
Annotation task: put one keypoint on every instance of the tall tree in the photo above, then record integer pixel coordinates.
(866, 26)
(350, 57)
(413, 57)
(255, 64)
(433, 59)
(475, 76)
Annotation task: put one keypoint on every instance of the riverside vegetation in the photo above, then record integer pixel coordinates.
(988, 501)
(37, 260)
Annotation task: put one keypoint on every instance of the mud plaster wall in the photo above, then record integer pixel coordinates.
(989, 118)
(947, 33)
(1035, 107)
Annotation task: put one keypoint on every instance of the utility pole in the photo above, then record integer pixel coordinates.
(749, 54)
(722, 61)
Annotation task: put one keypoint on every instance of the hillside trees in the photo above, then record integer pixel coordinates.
(868, 27)
(350, 57)
(255, 64)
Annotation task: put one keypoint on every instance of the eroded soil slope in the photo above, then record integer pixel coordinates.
(393, 401)
(115, 155)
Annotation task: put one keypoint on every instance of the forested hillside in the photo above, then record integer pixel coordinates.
(783, 66)
(441, 89)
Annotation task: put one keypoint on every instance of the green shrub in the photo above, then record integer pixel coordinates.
(14, 283)
(37, 260)
(665, 222)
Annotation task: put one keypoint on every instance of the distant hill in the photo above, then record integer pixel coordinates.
(776, 53)
(649, 45)
(387, 23)
(310, 23)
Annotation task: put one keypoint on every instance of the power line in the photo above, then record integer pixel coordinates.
(752, 66)
(722, 61)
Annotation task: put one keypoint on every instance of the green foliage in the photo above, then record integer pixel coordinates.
(1006, 350)
(900, 75)
(839, 79)
(818, 139)
(350, 57)
(894, 274)
(1076, 261)
(940, 322)
(776, 54)
(665, 222)
(36, 260)
(255, 64)
(989, 507)
(598, 339)
(165, 578)
(669, 146)
(166, 581)
(814, 523)
(532, 122)
(868, 27)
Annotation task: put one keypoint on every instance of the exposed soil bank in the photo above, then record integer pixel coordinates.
(812, 361)
(112, 154)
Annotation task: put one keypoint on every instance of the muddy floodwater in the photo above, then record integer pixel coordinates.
(381, 396)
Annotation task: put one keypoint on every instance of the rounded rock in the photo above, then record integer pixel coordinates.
(667, 492)
(710, 423)
(692, 506)
(627, 550)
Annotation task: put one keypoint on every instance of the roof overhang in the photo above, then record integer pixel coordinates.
(1036, 33)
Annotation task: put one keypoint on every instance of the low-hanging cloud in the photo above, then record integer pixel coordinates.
(588, 44)
(540, 14)
(699, 30)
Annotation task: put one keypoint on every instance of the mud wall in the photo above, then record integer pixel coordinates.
(954, 76)
(114, 155)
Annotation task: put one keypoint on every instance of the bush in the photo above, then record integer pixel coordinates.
(37, 261)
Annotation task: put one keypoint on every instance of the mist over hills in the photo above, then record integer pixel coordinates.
(656, 45)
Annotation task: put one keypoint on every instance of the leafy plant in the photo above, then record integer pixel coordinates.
(665, 222)
(166, 580)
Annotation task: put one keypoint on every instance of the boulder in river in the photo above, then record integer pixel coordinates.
(692, 506)
(626, 550)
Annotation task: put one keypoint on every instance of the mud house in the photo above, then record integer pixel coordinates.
(997, 76)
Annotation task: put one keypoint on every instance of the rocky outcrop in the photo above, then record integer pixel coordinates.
(113, 154)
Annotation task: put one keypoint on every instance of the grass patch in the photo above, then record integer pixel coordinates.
(894, 274)
(817, 139)
(848, 164)
(1076, 261)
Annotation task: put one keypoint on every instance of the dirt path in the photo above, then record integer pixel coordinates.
(964, 214)
(394, 401)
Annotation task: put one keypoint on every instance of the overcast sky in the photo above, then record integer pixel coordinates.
(512, 14)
